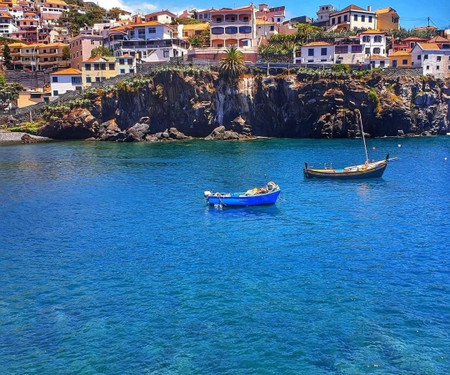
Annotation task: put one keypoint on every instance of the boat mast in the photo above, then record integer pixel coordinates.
(363, 137)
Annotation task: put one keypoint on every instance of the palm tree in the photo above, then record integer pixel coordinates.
(232, 65)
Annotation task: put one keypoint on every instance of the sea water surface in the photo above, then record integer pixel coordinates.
(111, 263)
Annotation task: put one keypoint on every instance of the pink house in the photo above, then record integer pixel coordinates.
(81, 47)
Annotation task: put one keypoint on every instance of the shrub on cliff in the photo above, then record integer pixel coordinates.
(344, 68)
(374, 99)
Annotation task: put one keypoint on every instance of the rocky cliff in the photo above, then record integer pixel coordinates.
(175, 104)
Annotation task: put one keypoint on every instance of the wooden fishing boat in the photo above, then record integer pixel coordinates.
(366, 170)
(265, 195)
(369, 169)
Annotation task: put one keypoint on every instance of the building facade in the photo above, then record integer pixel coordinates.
(65, 80)
(353, 18)
(81, 47)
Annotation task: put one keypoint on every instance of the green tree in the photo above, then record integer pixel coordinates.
(9, 92)
(115, 13)
(66, 53)
(232, 65)
(101, 51)
(7, 56)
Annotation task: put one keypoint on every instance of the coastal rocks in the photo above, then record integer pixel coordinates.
(27, 138)
(222, 134)
(171, 134)
(294, 106)
(75, 124)
(137, 132)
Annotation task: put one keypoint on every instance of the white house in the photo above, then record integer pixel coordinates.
(65, 80)
(433, 60)
(126, 64)
(7, 25)
(148, 41)
(353, 18)
(374, 42)
(163, 16)
(349, 51)
(316, 53)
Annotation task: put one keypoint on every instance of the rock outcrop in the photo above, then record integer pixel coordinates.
(174, 105)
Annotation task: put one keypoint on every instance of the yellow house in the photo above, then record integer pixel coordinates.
(387, 19)
(97, 69)
(194, 29)
(400, 59)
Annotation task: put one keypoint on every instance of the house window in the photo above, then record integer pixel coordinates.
(245, 19)
(425, 57)
(357, 48)
(333, 21)
(377, 51)
(323, 51)
(112, 66)
(87, 66)
(428, 67)
(339, 19)
(76, 81)
(437, 67)
(341, 49)
(367, 51)
(55, 92)
(54, 79)
(122, 71)
(377, 38)
(345, 18)
(404, 62)
(366, 39)
(217, 30)
(121, 61)
(438, 58)
(370, 19)
(419, 57)
(245, 29)
(363, 18)
(355, 17)
(310, 51)
(165, 54)
(231, 30)
(88, 80)
(152, 30)
(97, 79)
(132, 71)
(130, 62)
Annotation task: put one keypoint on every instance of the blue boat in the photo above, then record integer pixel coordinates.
(265, 195)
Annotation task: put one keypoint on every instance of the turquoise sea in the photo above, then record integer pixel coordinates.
(111, 263)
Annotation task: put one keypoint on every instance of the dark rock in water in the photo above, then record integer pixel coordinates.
(175, 134)
(26, 138)
(168, 135)
(220, 133)
(144, 120)
(137, 132)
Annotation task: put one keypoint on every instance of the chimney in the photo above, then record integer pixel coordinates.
(369, 8)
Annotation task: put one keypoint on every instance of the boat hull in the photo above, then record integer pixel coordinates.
(375, 172)
(240, 200)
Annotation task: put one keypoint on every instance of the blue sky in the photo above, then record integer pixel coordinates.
(412, 13)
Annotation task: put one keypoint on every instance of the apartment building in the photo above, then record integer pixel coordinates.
(97, 69)
(353, 18)
(150, 42)
(81, 47)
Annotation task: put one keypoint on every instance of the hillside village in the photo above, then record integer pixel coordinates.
(52, 46)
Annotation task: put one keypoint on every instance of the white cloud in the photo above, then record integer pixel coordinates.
(142, 7)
